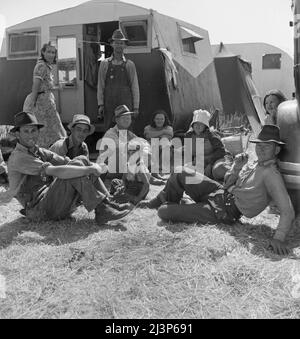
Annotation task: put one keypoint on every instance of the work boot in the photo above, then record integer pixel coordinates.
(106, 212)
(154, 203)
(118, 206)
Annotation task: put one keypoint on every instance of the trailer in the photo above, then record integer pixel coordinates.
(173, 59)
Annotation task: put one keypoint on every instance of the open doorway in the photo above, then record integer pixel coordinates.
(96, 48)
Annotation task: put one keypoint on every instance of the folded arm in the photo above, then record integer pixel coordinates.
(71, 172)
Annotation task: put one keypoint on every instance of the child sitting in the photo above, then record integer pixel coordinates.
(217, 161)
(134, 185)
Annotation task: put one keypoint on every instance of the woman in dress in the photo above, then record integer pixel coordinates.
(41, 100)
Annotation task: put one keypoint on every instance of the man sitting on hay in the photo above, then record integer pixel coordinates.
(48, 186)
(247, 191)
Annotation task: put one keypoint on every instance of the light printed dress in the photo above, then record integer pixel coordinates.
(45, 108)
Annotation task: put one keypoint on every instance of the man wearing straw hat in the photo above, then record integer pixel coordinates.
(117, 82)
(248, 190)
(74, 145)
(48, 186)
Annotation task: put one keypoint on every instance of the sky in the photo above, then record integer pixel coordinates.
(229, 21)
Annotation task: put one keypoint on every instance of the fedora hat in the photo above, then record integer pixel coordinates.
(118, 35)
(25, 119)
(269, 133)
(121, 111)
(82, 119)
(201, 116)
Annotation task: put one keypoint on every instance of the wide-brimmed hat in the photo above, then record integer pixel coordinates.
(201, 116)
(122, 110)
(118, 35)
(269, 133)
(82, 119)
(25, 119)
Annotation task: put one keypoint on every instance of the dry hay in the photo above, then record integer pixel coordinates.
(144, 268)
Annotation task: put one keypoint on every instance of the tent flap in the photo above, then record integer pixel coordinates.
(239, 95)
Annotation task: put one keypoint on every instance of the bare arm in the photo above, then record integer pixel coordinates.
(232, 175)
(277, 191)
(71, 172)
(167, 132)
(35, 89)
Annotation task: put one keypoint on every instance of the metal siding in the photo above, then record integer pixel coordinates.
(15, 84)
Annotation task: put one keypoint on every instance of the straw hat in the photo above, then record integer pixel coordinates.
(82, 119)
(122, 110)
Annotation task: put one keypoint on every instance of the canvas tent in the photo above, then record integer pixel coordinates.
(240, 99)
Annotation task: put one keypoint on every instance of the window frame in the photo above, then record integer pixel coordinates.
(272, 68)
(184, 52)
(131, 19)
(67, 84)
(22, 55)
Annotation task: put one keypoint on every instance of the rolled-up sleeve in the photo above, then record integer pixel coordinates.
(27, 164)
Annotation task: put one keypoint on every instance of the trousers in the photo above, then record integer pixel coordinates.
(212, 203)
(60, 199)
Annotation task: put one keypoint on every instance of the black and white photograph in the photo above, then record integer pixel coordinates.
(149, 162)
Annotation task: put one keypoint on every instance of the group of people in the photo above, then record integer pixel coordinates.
(50, 173)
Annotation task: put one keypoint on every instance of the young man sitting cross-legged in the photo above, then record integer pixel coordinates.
(49, 186)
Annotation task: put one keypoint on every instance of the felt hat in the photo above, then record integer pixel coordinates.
(269, 133)
(82, 119)
(25, 119)
(118, 35)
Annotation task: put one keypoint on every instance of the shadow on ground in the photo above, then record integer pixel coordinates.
(68, 231)
(255, 238)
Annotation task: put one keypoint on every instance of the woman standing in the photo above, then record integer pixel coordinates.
(271, 102)
(41, 100)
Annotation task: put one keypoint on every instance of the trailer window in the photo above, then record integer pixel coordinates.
(189, 39)
(271, 61)
(136, 32)
(24, 44)
(66, 61)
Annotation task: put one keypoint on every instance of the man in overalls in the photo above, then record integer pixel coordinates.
(117, 82)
